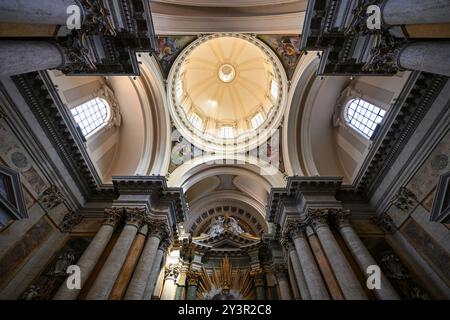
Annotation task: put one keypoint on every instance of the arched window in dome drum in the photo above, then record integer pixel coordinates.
(363, 116)
(91, 115)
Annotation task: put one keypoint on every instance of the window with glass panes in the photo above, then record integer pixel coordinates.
(364, 116)
(91, 115)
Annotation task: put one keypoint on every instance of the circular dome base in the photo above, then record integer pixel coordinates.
(221, 92)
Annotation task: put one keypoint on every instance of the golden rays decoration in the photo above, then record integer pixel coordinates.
(226, 283)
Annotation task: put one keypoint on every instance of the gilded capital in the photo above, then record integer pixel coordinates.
(258, 276)
(193, 278)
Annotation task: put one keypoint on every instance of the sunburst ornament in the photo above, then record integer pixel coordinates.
(226, 283)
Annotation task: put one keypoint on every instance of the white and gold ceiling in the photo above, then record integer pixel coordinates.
(224, 89)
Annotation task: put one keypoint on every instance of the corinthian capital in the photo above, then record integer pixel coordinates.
(280, 270)
(172, 271)
(165, 243)
(286, 242)
(193, 278)
(258, 276)
(114, 215)
(135, 216)
(158, 229)
(318, 217)
(295, 229)
(340, 216)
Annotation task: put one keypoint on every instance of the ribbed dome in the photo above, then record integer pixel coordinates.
(224, 89)
(227, 80)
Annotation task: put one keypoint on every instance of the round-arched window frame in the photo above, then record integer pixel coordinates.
(363, 116)
(92, 115)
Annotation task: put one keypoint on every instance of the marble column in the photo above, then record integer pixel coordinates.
(258, 276)
(400, 12)
(296, 266)
(324, 266)
(23, 56)
(281, 275)
(156, 270)
(361, 254)
(427, 56)
(91, 255)
(156, 294)
(106, 278)
(193, 278)
(36, 12)
(348, 282)
(170, 277)
(313, 278)
(136, 288)
(128, 267)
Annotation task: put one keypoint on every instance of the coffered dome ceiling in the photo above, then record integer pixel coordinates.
(223, 88)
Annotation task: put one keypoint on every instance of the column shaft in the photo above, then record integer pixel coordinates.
(399, 12)
(156, 270)
(191, 292)
(324, 265)
(88, 261)
(260, 293)
(106, 278)
(430, 56)
(316, 286)
(141, 275)
(169, 289)
(35, 12)
(17, 57)
(364, 259)
(172, 272)
(345, 276)
(301, 281)
(127, 270)
(284, 289)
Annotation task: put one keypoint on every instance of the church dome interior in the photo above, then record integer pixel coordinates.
(224, 150)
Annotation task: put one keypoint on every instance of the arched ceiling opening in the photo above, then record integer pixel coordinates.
(224, 89)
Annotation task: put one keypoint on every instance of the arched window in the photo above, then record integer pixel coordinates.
(363, 116)
(91, 115)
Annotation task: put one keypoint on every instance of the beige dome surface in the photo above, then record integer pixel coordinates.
(228, 80)
(225, 89)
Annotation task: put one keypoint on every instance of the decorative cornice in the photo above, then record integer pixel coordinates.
(295, 187)
(409, 110)
(157, 188)
(32, 87)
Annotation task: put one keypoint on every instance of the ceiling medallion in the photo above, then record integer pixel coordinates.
(227, 73)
